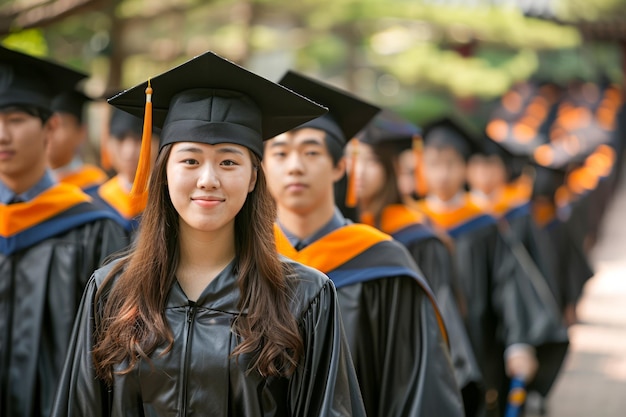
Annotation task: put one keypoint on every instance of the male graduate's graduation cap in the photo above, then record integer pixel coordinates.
(388, 128)
(391, 130)
(209, 99)
(122, 124)
(70, 102)
(32, 82)
(455, 132)
(347, 114)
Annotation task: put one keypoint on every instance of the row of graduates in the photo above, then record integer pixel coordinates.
(415, 351)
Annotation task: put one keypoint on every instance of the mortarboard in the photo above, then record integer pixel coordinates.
(454, 132)
(389, 129)
(209, 99)
(29, 81)
(123, 123)
(347, 114)
(70, 102)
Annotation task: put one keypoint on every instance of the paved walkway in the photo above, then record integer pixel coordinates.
(593, 383)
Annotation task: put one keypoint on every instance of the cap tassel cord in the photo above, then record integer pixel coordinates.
(419, 174)
(140, 184)
(105, 158)
(351, 195)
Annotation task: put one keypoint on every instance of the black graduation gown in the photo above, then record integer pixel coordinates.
(393, 325)
(570, 265)
(199, 378)
(503, 307)
(434, 259)
(44, 267)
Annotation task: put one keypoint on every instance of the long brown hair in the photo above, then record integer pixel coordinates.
(134, 323)
(389, 193)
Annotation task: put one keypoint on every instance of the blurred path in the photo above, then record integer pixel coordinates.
(593, 382)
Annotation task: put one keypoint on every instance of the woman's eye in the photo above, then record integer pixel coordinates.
(190, 162)
(312, 153)
(229, 163)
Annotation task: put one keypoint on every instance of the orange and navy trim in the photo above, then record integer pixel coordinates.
(56, 210)
(458, 221)
(352, 255)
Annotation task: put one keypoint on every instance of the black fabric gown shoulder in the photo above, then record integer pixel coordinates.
(199, 378)
(434, 259)
(503, 308)
(40, 290)
(393, 325)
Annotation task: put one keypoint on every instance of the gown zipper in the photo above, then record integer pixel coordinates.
(191, 312)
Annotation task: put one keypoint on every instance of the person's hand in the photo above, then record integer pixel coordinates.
(521, 362)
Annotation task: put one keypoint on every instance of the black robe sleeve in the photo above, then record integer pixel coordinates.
(436, 262)
(529, 312)
(326, 383)
(80, 393)
(402, 362)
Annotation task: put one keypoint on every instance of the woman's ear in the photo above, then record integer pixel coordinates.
(253, 178)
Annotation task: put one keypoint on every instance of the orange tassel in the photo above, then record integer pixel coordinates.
(140, 184)
(105, 158)
(351, 197)
(419, 175)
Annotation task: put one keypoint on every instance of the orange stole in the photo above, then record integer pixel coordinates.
(512, 196)
(121, 200)
(334, 249)
(15, 218)
(449, 219)
(87, 176)
(395, 217)
(340, 246)
(543, 213)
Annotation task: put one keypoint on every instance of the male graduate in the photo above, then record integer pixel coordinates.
(513, 329)
(66, 138)
(51, 238)
(123, 146)
(394, 328)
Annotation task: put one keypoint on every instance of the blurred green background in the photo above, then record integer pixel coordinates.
(419, 57)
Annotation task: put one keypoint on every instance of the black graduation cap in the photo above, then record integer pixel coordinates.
(389, 128)
(452, 131)
(347, 114)
(122, 124)
(209, 99)
(29, 81)
(70, 102)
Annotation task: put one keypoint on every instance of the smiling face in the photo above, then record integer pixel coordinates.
(22, 147)
(300, 171)
(208, 184)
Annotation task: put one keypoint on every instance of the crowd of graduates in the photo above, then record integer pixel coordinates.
(456, 253)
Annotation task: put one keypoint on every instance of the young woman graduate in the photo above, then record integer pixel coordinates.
(51, 238)
(394, 328)
(511, 327)
(380, 205)
(202, 317)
